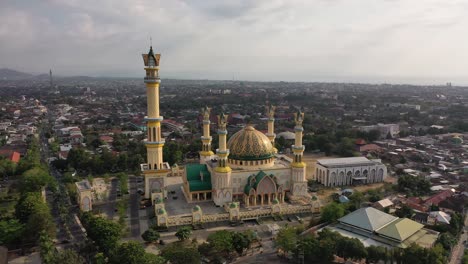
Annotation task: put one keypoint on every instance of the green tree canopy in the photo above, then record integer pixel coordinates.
(332, 212)
(103, 232)
(33, 180)
(221, 241)
(184, 233)
(181, 253)
(151, 235)
(286, 239)
(11, 232)
(132, 252)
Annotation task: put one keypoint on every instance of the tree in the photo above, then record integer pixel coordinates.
(375, 253)
(436, 255)
(47, 249)
(331, 212)
(413, 254)
(151, 235)
(286, 239)
(10, 232)
(133, 252)
(40, 220)
(327, 240)
(357, 198)
(183, 233)
(447, 241)
(68, 256)
(7, 167)
(308, 247)
(413, 185)
(345, 148)
(221, 242)
(103, 232)
(240, 241)
(350, 248)
(181, 253)
(34, 180)
(34, 212)
(404, 211)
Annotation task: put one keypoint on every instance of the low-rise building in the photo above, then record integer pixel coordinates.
(349, 171)
(84, 195)
(374, 227)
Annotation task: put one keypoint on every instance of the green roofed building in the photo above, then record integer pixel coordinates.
(400, 229)
(197, 182)
(366, 220)
(374, 227)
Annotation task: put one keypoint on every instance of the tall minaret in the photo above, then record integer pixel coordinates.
(155, 168)
(221, 182)
(298, 175)
(155, 143)
(206, 153)
(271, 125)
(222, 151)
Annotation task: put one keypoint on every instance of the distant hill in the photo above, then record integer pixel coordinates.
(9, 74)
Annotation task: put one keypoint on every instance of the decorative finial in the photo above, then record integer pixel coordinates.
(205, 111)
(151, 41)
(222, 122)
(271, 111)
(298, 117)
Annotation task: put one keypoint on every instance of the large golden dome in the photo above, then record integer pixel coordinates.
(250, 144)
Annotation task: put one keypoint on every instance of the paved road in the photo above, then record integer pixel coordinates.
(76, 232)
(134, 207)
(459, 249)
(111, 204)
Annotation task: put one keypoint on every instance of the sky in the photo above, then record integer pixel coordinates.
(392, 41)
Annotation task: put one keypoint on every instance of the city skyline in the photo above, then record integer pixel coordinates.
(368, 41)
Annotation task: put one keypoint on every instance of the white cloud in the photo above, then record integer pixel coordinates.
(277, 40)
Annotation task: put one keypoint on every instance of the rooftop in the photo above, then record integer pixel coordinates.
(83, 185)
(353, 161)
(400, 229)
(369, 219)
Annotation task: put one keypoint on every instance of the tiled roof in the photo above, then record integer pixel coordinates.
(368, 218)
(400, 229)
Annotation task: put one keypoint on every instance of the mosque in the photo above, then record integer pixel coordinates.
(246, 168)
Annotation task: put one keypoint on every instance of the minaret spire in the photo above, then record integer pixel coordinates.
(298, 167)
(206, 153)
(271, 125)
(222, 151)
(298, 148)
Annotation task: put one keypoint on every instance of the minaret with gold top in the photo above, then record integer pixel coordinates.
(155, 170)
(271, 126)
(298, 175)
(206, 153)
(222, 188)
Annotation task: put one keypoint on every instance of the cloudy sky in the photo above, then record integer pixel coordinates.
(416, 41)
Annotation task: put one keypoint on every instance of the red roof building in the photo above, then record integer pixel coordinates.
(15, 157)
(360, 141)
(11, 155)
(436, 199)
